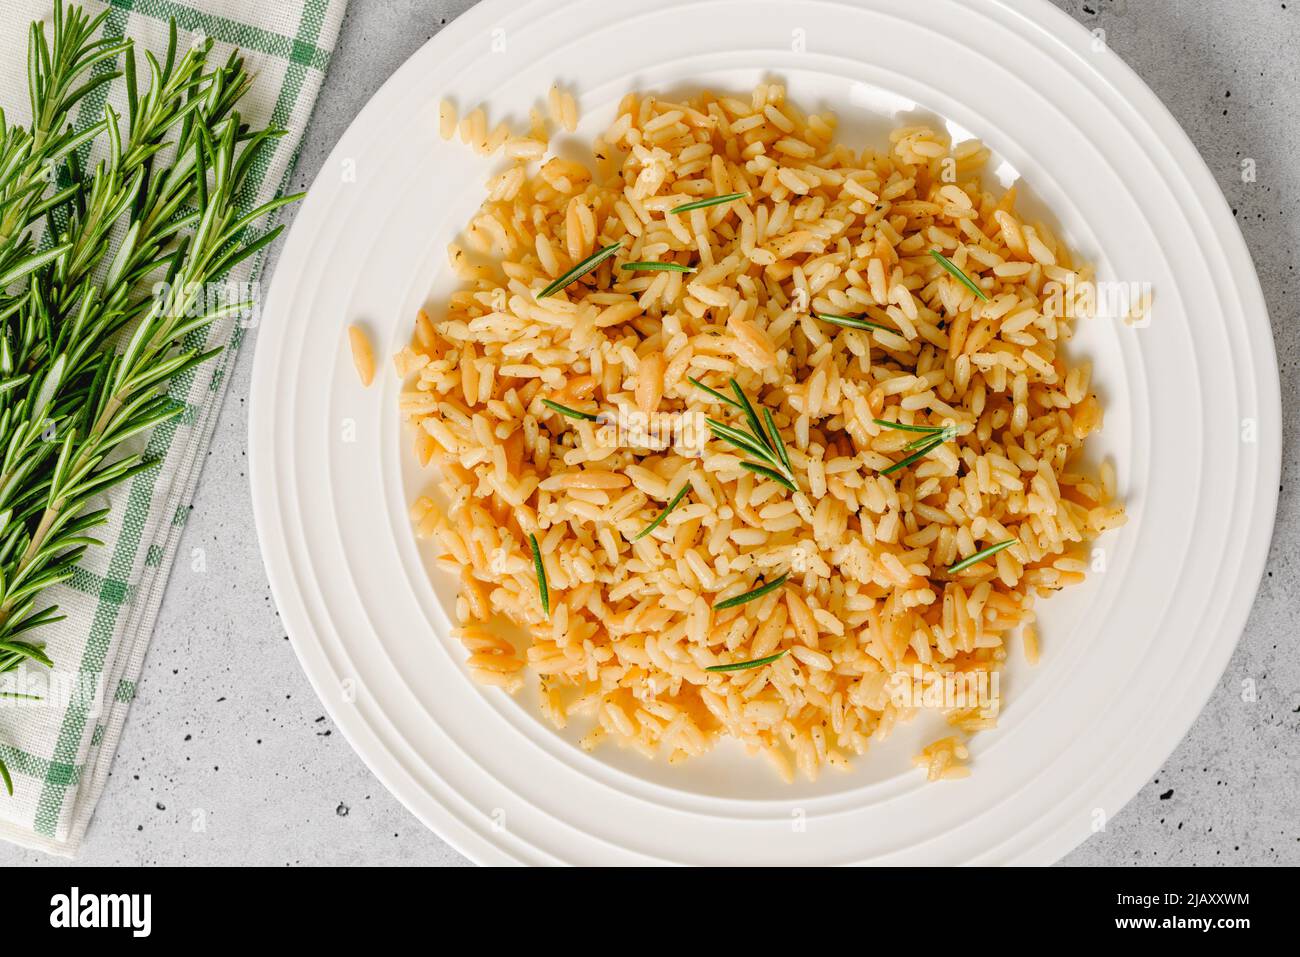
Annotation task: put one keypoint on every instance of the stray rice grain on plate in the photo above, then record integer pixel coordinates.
(889, 476)
(363, 356)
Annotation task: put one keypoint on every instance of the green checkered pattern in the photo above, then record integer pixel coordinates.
(59, 752)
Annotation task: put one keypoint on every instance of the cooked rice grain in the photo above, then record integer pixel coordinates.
(363, 356)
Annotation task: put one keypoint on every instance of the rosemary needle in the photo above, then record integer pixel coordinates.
(980, 556)
(744, 665)
(929, 429)
(657, 267)
(704, 203)
(571, 413)
(24, 649)
(960, 276)
(849, 322)
(781, 450)
(659, 519)
(580, 270)
(542, 590)
(771, 474)
(752, 595)
(713, 392)
(750, 415)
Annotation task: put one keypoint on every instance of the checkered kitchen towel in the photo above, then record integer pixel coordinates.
(59, 752)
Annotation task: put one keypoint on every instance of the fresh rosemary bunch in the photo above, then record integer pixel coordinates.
(106, 283)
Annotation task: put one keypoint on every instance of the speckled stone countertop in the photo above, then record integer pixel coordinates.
(228, 758)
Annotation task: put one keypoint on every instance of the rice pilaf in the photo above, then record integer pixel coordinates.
(820, 230)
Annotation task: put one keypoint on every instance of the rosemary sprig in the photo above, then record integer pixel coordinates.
(659, 519)
(542, 591)
(931, 443)
(751, 446)
(770, 450)
(571, 413)
(713, 392)
(946, 434)
(850, 322)
(981, 555)
(752, 595)
(932, 436)
(957, 274)
(705, 203)
(746, 665)
(656, 267)
(580, 270)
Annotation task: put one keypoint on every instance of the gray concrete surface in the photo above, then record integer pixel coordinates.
(226, 733)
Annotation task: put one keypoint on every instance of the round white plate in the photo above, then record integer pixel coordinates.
(1193, 424)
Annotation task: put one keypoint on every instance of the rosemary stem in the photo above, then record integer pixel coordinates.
(52, 511)
(33, 547)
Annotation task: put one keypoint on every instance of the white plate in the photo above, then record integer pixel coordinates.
(1193, 423)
